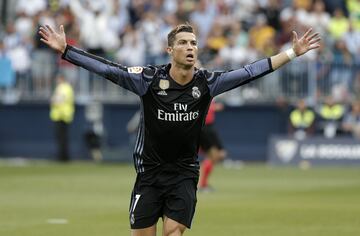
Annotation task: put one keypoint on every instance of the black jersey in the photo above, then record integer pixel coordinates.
(172, 115)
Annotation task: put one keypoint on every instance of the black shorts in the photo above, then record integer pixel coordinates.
(209, 138)
(148, 203)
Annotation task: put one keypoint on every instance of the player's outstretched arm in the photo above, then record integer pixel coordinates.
(128, 78)
(53, 39)
(300, 46)
(224, 81)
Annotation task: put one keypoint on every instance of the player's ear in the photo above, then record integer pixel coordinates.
(169, 50)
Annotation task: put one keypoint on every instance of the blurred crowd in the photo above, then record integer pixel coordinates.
(231, 33)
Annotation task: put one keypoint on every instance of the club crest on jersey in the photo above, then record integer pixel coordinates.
(196, 92)
(164, 84)
(135, 69)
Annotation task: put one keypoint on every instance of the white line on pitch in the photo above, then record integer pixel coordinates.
(57, 221)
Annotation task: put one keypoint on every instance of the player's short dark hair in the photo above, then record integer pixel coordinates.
(179, 28)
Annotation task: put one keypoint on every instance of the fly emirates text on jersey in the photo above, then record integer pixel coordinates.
(180, 113)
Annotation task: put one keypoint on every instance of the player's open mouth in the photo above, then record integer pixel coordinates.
(190, 56)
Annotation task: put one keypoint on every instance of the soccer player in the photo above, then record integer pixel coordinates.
(211, 146)
(174, 102)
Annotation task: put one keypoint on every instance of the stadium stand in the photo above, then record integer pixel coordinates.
(231, 34)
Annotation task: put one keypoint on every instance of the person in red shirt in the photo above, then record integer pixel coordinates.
(211, 146)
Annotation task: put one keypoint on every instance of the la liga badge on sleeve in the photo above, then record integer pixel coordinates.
(135, 69)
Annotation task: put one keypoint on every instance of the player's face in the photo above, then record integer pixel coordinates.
(184, 51)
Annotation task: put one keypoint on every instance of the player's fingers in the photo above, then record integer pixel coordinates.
(44, 41)
(44, 31)
(49, 28)
(295, 36)
(315, 40)
(43, 35)
(307, 32)
(61, 29)
(314, 46)
(313, 36)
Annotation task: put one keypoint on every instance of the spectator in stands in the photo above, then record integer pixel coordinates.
(318, 18)
(216, 40)
(330, 114)
(21, 62)
(95, 33)
(7, 74)
(149, 30)
(234, 55)
(323, 68)
(203, 18)
(356, 87)
(351, 123)
(352, 42)
(341, 74)
(11, 38)
(31, 7)
(61, 113)
(119, 18)
(331, 6)
(241, 35)
(303, 4)
(132, 50)
(301, 121)
(294, 16)
(272, 12)
(339, 24)
(2, 49)
(245, 11)
(353, 7)
(261, 33)
(17, 51)
(24, 25)
(224, 16)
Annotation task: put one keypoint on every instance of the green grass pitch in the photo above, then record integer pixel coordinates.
(255, 200)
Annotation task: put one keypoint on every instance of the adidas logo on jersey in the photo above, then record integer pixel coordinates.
(162, 93)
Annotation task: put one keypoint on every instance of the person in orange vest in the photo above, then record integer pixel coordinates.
(62, 113)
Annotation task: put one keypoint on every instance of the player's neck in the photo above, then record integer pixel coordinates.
(181, 75)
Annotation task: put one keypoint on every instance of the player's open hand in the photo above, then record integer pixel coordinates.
(306, 43)
(53, 39)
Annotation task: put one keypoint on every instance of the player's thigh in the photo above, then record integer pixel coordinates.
(181, 201)
(172, 227)
(145, 207)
